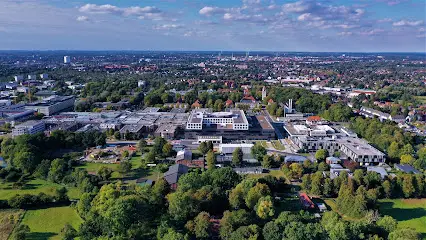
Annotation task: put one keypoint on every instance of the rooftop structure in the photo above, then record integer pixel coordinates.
(234, 119)
(325, 137)
(52, 105)
(30, 127)
(406, 168)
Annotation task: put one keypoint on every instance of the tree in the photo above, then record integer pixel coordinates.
(210, 145)
(211, 160)
(321, 155)
(167, 150)
(267, 161)
(387, 188)
(158, 145)
(316, 183)
(231, 220)
(255, 193)
(57, 170)
(328, 187)
(404, 234)
(124, 166)
(387, 224)
(258, 151)
(142, 144)
(265, 208)
(394, 151)
(271, 231)
(21, 232)
(202, 225)
(296, 170)
(407, 159)
(104, 173)
(203, 148)
(125, 154)
(150, 157)
(407, 149)
(68, 232)
(408, 186)
(237, 157)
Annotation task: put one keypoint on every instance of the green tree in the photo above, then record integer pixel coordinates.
(407, 149)
(255, 193)
(267, 161)
(21, 232)
(68, 232)
(387, 224)
(57, 170)
(203, 148)
(202, 225)
(387, 188)
(167, 150)
(317, 183)
(265, 207)
(104, 173)
(408, 185)
(394, 151)
(407, 159)
(272, 231)
(404, 234)
(321, 155)
(124, 166)
(211, 160)
(258, 151)
(231, 220)
(142, 144)
(237, 157)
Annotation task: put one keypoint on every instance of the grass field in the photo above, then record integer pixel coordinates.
(262, 143)
(35, 186)
(408, 212)
(6, 225)
(47, 223)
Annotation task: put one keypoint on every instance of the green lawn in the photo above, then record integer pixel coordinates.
(6, 224)
(278, 145)
(35, 186)
(47, 223)
(408, 212)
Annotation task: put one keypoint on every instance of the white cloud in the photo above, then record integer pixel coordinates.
(168, 26)
(82, 18)
(148, 12)
(403, 23)
(208, 11)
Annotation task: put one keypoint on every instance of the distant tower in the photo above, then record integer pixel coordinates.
(263, 93)
(67, 59)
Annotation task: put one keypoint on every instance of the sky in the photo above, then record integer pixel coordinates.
(214, 25)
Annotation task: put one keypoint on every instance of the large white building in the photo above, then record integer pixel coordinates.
(52, 105)
(67, 59)
(234, 119)
(30, 127)
(313, 138)
(229, 148)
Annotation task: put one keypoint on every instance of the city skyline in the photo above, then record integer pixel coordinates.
(247, 25)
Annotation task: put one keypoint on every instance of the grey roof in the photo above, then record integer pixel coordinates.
(174, 172)
(294, 158)
(406, 168)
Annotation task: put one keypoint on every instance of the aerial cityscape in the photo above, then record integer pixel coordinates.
(231, 120)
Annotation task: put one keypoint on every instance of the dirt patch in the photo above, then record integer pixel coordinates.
(415, 201)
(8, 219)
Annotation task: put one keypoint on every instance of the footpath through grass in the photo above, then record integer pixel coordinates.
(47, 223)
(33, 187)
(408, 212)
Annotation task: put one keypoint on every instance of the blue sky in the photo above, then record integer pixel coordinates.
(254, 25)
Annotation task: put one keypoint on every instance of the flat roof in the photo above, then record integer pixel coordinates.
(264, 123)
